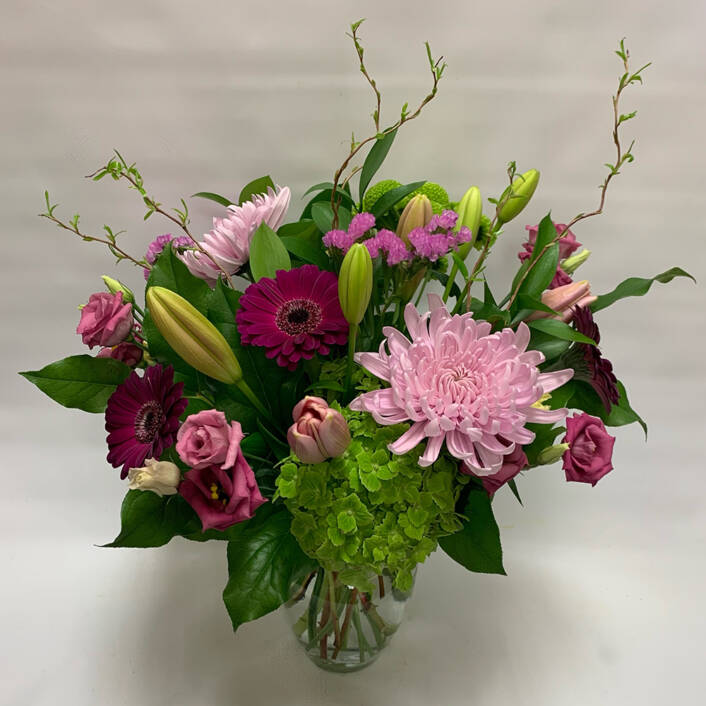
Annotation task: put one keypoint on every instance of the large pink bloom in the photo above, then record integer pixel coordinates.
(461, 384)
(229, 241)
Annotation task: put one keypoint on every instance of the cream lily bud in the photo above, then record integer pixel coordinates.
(563, 299)
(551, 454)
(193, 336)
(522, 189)
(319, 432)
(571, 264)
(114, 287)
(417, 213)
(161, 477)
(355, 283)
(470, 209)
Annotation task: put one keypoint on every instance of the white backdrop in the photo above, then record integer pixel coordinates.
(603, 603)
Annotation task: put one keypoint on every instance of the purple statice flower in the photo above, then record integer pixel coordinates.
(159, 243)
(568, 245)
(437, 238)
(342, 240)
(592, 365)
(390, 245)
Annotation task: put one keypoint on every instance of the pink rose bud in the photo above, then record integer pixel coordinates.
(125, 352)
(563, 299)
(206, 439)
(223, 495)
(105, 320)
(590, 452)
(318, 432)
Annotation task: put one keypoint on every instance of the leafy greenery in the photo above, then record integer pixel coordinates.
(263, 562)
(267, 253)
(374, 160)
(80, 381)
(477, 545)
(255, 187)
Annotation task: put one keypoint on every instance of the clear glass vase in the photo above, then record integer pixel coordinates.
(342, 628)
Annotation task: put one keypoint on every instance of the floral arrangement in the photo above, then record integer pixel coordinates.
(281, 389)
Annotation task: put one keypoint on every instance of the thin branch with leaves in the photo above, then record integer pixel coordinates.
(437, 69)
(622, 157)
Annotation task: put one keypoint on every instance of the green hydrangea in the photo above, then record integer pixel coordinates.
(434, 192)
(369, 510)
(378, 190)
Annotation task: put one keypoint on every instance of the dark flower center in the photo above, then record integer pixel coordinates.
(148, 420)
(298, 316)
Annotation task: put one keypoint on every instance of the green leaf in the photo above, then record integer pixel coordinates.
(541, 274)
(560, 330)
(390, 198)
(262, 564)
(477, 545)
(546, 232)
(255, 187)
(212, 197)
(550, 346)
(525, 305)
(322, 214)
(325, 197)
(513, 487)
(637, 287)
(80, 381)
(585, 398)
(148, 520)
(374, 161)
(307, 251)
(267, 253)
(545, 435)
(170, 272)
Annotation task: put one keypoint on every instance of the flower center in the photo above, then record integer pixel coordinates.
(298, 316)
(148, 421)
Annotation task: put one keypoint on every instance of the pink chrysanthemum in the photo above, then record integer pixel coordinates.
(142, 417)
(460, 384)
(229, 241)
(293, 316)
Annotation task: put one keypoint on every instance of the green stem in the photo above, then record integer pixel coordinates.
(363, 644)
(352, 337)
(450, 283)
(425, 281)
(245, 389)
(314, 607)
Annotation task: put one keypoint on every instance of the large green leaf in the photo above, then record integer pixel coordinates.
(344, 198)
(262, 564)
(558, 329)
(636, 287)
(303, 240)
(322, 214)
(390, 198)
(170, 272)
(267, 253)
(374, 160)
(255, 187)
(148, 520)
(80, 381)
(477, 545)
(541, 274)
(210, 196)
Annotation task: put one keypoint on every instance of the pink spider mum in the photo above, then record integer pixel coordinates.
(229, 241)
(461, 384)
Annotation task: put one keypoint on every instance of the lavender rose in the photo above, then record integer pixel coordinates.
(206, 439)
(223, 495)
(590, 451)
(105, 320)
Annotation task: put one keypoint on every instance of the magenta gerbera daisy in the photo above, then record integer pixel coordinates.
(293, 316)
(459, 385)
(142, 417)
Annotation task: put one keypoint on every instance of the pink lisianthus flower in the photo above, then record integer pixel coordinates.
(567, 246)
(105, 320)
(513, 463)
(228, 243)
(459, 385)
(223, 496)
(319, 432)
(590, 453)
(125, 352)
(206, 439)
